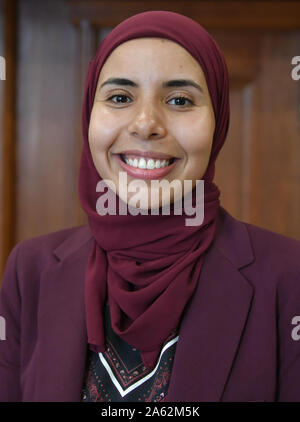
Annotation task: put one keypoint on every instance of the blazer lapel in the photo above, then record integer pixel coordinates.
(62, 337)
(213, 322)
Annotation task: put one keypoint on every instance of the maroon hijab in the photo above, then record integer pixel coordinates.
(147, 266)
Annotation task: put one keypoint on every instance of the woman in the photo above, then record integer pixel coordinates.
(142, 306)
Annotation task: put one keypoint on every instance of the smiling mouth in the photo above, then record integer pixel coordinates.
(145, 163)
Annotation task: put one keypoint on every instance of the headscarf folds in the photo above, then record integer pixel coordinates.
(147, 266)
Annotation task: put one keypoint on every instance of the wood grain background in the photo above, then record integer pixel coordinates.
(258, 170)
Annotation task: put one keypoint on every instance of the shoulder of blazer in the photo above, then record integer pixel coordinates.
(275, 252)
(244, 243)
(264, 257)
(34, 255)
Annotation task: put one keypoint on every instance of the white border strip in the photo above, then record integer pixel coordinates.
(141, 381)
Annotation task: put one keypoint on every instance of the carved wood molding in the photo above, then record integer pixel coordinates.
(211, 14)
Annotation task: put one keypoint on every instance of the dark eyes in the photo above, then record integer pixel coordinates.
(181, 101)
(119, 97)
(122, 99)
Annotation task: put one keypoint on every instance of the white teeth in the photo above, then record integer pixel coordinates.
(150, 164)
(142, 164)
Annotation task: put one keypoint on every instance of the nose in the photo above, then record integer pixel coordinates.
(147, 123)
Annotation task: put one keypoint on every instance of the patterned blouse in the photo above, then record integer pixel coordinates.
(119, 375)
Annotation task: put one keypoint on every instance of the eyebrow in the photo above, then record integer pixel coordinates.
(167, 84)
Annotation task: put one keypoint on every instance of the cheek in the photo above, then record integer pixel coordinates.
(196, 135)
(103, 131)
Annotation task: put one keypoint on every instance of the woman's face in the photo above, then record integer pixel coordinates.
(151, 98)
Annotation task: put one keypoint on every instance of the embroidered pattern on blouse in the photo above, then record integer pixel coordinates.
(119, 374)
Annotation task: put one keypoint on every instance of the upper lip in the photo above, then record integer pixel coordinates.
(148, 154)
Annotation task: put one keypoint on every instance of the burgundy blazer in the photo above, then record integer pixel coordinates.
(235, 339)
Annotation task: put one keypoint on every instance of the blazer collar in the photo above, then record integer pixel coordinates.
(74, 242)
(233, 241)
(210, 330)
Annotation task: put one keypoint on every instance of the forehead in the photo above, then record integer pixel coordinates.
(148, 54)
